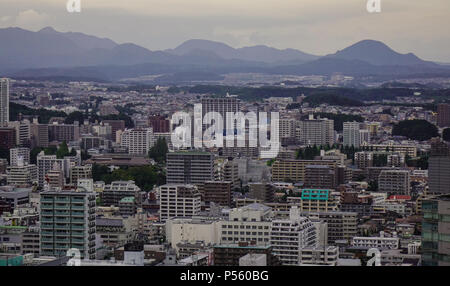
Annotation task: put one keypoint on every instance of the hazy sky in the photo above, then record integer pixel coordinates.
(313, 26)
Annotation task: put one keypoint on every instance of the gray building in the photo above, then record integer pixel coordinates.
(190, 167)
(436, 231)
(67, 221)
(4, 102)
(439, 168)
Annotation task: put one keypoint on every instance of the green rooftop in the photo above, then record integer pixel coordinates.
(127, 200)
(315, 195)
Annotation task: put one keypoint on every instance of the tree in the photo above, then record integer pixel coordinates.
(99, 171)
(420, 130)
(51, 150)
(270, 162)
(159, 151)
(63, 150)
(74, 116)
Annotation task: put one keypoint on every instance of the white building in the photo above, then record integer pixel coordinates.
(22, 174)
(45, 164)
(189, 230)
(16, 154)
(381, 242)
(251, 223)
(353, 135)
(178, 201)
(315, 256)
(138, 141)
(289, 236)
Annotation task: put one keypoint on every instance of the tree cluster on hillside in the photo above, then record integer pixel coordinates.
(331, 99)
(61, 151)
(44, 115)
(416, 129)
(358, 94)
(145, 177)
(159, 151)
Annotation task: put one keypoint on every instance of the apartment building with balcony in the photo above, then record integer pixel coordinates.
(381, 242)
(67, 221)
(315, 200)
(178, 200)
(289, 236)
(190, 167)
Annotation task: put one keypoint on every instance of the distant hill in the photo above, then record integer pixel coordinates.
(83, 41)
(379, 54)
(259, 53)
(52, 54)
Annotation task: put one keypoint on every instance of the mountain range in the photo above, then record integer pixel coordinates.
(49, 53)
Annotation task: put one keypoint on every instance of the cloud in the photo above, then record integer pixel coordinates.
(5, 18)
(31, 19)
(319, 27)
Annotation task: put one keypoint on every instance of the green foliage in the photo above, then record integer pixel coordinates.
(63, 150)
(51, 150)
(416, 129)
(145, 177)
(349, 151)
(270, 162)
(44, 115)
(121, 116)
(159, 151)
(368, 94)
(317, 99)
(75, 116)
(309, 152)
(421, 162)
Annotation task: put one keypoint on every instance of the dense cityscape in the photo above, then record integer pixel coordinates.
(216, 141)
(92, 167)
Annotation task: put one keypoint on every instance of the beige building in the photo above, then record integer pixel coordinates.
(295, 170)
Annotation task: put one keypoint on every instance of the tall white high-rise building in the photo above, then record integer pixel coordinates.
(289, 236)
(16, 154)
(4, 102)
(45, 164)
(178, 200)
(138, 141)
(354, 135)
